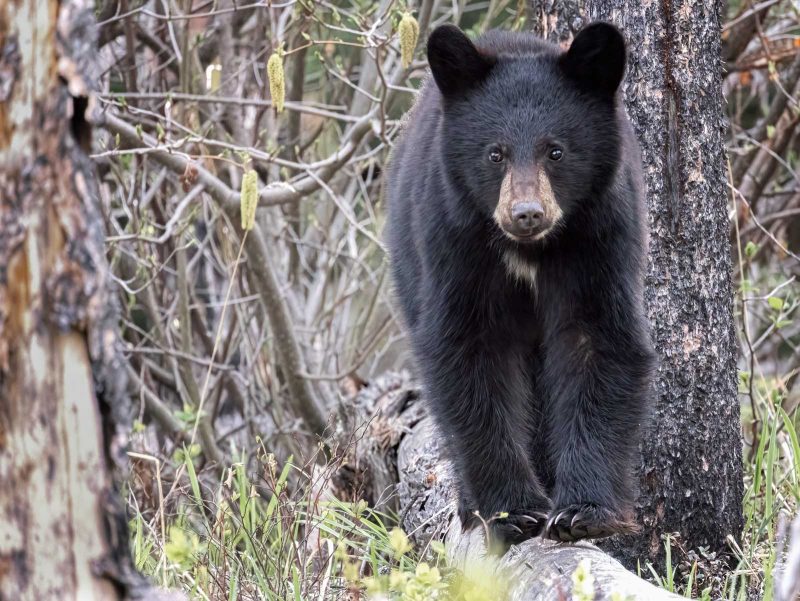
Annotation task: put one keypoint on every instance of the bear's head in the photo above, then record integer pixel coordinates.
(531, 132)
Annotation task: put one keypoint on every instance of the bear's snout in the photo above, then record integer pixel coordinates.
(527, 219)
(527, 208)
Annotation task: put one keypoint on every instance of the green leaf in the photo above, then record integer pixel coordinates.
(398, 541)
(770, 131)
(188, 455)
(775, 302)
(744, 381)
(790, 430)
(747, 286)
(187, 417)
(751, 249)
(583, 582)
(182, 547)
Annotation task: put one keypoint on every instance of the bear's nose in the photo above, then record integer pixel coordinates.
(527, 216)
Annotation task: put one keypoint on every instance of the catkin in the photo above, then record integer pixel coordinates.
(249, 199)
(213, 77)
(277, 83)
(409, 32)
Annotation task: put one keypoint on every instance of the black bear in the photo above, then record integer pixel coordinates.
(517, 239)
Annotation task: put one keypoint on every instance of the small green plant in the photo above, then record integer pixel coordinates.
(583, 582)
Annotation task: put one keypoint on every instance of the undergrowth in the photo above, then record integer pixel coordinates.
(261, 530)
(279, 535)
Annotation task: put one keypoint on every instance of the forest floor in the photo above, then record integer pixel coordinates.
(274, 531)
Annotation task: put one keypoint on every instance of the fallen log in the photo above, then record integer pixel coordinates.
(537, 570)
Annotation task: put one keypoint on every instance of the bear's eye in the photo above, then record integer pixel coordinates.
(496, 155)
(555, 154)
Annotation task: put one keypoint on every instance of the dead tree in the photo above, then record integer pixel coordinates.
(63, 533)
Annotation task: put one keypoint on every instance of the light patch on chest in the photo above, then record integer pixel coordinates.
(520, 269)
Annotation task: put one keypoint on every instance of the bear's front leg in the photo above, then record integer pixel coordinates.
(598, 382)
(478, 397)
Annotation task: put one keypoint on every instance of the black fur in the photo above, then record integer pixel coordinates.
(540, 391)
(456, 64)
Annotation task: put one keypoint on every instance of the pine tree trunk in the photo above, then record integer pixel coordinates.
(691, 471)
(63, 534)
(557, 21)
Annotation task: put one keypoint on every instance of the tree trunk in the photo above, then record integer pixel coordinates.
(557, 21)
(691, 470)
(63, 534)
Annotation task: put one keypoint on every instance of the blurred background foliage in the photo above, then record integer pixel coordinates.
(241, 345)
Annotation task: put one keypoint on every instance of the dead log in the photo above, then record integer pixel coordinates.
(537, 570)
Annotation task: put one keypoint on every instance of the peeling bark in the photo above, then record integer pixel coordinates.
(63, 532)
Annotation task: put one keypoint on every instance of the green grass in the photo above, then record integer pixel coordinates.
(772, 492)
(270, 531)
(277, 537)
(273, 531)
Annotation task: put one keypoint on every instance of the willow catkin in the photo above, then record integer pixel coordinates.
(409, 32)
(248, 201)
(277, 82)
(213, 77)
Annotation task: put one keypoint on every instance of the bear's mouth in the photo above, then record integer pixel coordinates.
(530, 238)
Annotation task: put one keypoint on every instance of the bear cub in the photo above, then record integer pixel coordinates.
(517, 239)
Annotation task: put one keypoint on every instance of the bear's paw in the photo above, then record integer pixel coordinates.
(585, 520)
(514, 527)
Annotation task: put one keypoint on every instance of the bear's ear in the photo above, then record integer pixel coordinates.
(596, 58)
(457, 65)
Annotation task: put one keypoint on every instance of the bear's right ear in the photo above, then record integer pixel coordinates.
(457, 65)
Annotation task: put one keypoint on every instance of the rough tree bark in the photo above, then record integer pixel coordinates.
(63, 533)
(691, 471)
(557, 21)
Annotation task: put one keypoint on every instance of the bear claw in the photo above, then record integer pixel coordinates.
(535, 518)
(579, 521)
(514, 528)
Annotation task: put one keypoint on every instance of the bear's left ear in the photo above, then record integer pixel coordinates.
(596, 58)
